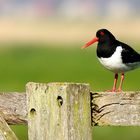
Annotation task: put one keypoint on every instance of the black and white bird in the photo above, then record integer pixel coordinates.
(114, 55)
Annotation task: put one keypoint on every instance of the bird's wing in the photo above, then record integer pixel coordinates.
(129, 55)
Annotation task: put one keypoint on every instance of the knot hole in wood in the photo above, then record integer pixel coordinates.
(60, 101)
(32, 112)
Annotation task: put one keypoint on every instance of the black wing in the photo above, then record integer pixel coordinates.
(129, 55)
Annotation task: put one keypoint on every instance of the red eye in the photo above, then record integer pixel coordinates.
(102, 33)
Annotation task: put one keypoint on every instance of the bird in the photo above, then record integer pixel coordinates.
(115, 56)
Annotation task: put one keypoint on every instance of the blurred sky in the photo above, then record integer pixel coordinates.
(70, 8)
(66, 20)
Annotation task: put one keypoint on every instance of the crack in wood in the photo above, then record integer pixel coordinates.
(103, 115)
(106, 105)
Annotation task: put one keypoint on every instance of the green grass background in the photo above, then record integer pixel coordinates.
(21, 63)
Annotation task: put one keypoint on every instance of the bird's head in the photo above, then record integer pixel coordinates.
(102, 35)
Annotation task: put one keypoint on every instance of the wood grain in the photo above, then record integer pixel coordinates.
(14, 107)
(117, 109)
(5, 131)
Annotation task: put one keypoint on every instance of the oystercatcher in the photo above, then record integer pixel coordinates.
(114, 55)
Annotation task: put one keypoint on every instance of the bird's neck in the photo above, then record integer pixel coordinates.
(106, 49)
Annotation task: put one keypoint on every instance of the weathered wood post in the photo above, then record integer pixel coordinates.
(59, 111)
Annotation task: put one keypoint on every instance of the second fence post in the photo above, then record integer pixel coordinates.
(59, 111)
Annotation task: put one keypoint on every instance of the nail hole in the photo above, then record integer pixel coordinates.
(60, 100)
(32, 112)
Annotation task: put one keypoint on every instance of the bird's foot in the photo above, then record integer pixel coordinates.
(119, 90)
(112, 90)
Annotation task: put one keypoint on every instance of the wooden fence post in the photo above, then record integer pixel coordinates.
(59, 111)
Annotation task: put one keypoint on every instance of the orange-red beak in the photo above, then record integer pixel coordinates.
(90, 42)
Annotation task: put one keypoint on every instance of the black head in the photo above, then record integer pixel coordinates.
(104, 35)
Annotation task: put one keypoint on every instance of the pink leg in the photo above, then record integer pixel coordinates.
(115, 82)
(121, 82)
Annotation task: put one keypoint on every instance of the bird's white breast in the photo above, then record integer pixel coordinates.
(114, 63)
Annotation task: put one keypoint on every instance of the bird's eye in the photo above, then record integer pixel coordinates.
(102, 33)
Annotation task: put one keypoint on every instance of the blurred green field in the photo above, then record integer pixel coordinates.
(22, 63)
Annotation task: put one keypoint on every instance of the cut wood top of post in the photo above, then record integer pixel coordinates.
(57, 83)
